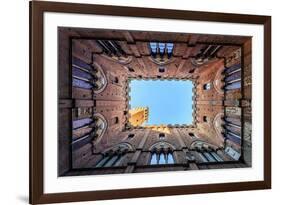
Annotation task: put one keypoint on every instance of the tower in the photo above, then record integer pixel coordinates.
(138, 116)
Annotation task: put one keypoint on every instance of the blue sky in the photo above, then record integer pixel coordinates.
(169, 102)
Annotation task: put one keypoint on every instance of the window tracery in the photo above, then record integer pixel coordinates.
(206, 152)
(162, 153)
(114, 156)
(88, 130)
(161, 53)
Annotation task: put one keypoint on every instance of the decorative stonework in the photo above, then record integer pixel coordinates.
(100, 125)
(161, 61)
(122, 60)
(201, 145)
(218, 83)
(100, 80)
(217, 123)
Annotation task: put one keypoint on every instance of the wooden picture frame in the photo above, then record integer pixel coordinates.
(37, 9)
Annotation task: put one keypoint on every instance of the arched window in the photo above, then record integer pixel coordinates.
(232, 130)
(116, 120)
(209, 156)
(161, 70)
(192, 136)
(161, 136)
(88, 76)
(205, 152)
(114, 51)
(232, 136)
(162, 158)
(161, 153)
(206, 54)
(207, 86)
(109, 161)
(205, 119)
(130, 136)
(130, 69)
(153, 159)
(82, 76)
(111, 48)
(114, 156)
(88, 130)
(161, 50)
(170, 47)
(153, 48)
(216, 156)
(170, 159)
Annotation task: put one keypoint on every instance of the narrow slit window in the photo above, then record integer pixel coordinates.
(130, 136)
(205, 119)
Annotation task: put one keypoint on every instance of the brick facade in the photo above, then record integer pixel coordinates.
(95, 136)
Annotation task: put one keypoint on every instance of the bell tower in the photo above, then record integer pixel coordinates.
(138, 116)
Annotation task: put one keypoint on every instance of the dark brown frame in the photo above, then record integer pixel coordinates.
(37, 9)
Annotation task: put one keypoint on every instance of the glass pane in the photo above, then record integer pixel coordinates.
(119, 160)
(81, 84)
(203, 159)
(81, 122)
(153, 159)
(170, 159)
(162, 159)
(111, 161)
(235, 85)
(153, 47)
(233, 68)
(216, 156)
(234, 138)
(81, 73)
(170, 47)
(80, 63)
(209, 157)
(233, 76)
(101, 162)
(162, 47)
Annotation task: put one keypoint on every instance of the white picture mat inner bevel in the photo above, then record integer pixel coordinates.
(55, 184)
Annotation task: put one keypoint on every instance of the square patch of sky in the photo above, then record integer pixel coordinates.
(169, 101)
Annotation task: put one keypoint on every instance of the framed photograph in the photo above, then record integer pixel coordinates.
(138, 102)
